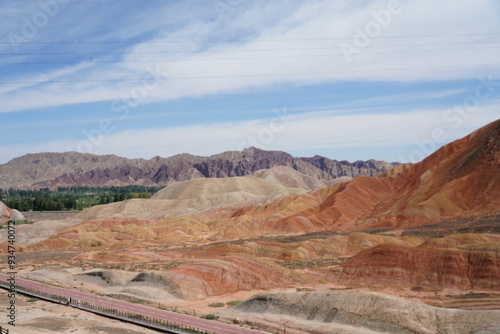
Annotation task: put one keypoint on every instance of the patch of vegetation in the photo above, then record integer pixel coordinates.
(210, 317)
(136, 301)
(216, 304)
(234, 302)
(315, 263)
(32, 300)
(21, 222)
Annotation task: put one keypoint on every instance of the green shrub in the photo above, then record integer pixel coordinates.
(216, 305)
(210, 317)
(21, 222)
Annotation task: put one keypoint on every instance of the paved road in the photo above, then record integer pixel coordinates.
(182, 319)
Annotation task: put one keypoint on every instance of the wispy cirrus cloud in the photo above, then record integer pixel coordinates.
(252, 50)
(296, 48)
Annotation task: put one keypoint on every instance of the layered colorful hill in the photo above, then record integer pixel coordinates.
(459, 180)
(402, 229)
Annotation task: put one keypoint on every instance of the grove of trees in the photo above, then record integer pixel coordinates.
(70, 198)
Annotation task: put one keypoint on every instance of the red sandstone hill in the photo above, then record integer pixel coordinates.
(434, 268)
(460, 179)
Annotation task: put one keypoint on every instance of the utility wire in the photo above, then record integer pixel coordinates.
(256, 40)
(225, 59)
(232, 51)
(246, 75)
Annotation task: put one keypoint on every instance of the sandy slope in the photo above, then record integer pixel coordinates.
(290, 177)
(195, 196)
(359, 312)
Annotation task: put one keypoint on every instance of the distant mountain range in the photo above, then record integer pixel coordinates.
(455, 189)
(54, 170)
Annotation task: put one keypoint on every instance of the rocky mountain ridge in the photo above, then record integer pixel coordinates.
(80, 169)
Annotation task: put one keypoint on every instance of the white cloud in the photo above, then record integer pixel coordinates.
(310, 131)
(306, 26)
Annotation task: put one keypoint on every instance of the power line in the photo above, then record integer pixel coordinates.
(225, 59)
(233, 51)
(256, 40)
(245, 75)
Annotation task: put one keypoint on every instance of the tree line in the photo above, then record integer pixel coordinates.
(70, 198)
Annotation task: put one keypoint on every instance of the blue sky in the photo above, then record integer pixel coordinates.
(351, 80)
